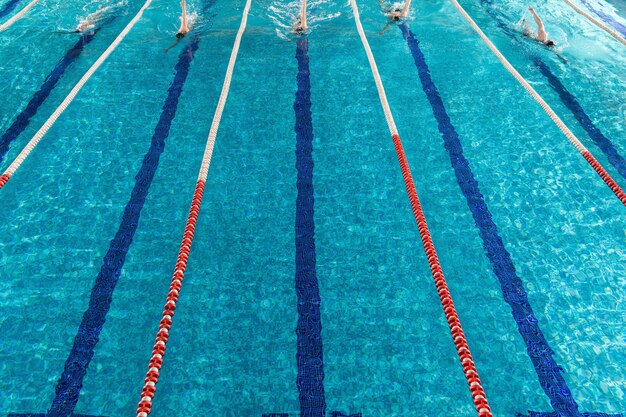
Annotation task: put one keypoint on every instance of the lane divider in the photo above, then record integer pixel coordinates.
(70, 97)
(606, 17)
(158, 350)
(617, 190)
(467, 362)
(597, 22)
(605, 145)
(17, 16)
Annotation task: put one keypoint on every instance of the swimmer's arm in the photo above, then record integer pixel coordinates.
(385, 28)
(405, 10)
(303, 16)
(561, 57)
(172, 45)
(535, 16)
(183, 4)
(541, 32)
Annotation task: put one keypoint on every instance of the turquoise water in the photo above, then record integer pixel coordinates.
(387, 349)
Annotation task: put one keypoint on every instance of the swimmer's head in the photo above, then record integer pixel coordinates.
(180, 35)
(550, 43)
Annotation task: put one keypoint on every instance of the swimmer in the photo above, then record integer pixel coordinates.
(90, 21)
(541, 35)
(301, 26)
(394, 13)
(184, 28)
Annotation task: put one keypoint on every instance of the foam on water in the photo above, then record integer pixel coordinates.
(286, 15)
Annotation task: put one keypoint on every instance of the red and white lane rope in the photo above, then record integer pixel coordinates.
(471, 374)
(597, 22)
(70, 97)
(17, 16)
(617, 190)
(158, 351)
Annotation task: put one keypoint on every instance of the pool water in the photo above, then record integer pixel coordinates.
(98, 209)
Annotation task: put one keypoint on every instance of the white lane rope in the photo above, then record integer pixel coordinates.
(208, 151)
(70, 97)
(17, 16)
(379, 84)
(559, 123)
(597, 22)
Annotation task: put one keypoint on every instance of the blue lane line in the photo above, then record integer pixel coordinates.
(568, 99)
(332, 414)
(8, 8)
(583, 118)
(71, 382)
(43, 415)
(540, 353)
(23, 119)
(309, 356)
(608, 19)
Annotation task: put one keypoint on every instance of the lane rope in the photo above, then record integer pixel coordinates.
(606, 18)
(158, 350)
(17, 16)
(597, 22)
(6, 175)
(617, 190)
(471, 374)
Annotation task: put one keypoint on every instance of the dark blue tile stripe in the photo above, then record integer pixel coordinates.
(554, 414)
(70, 383)
(309, 357)
(574, 106)
(43, 415)
(332, 414)
(8, 8)
(548, 372)
(604, 143)
(23, 119)
(608, 19)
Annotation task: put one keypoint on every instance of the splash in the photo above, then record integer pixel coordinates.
(192, 18)
(91, 20)
(285, 16)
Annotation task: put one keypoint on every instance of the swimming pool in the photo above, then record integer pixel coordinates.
(305, 201)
